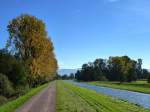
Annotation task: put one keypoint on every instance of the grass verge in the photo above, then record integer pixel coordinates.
(138, 86)
(71, 98)
(12, 105)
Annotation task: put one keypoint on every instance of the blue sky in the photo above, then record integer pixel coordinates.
(83, 30)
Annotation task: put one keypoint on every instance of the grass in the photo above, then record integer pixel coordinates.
(13, 105)
(71, 98)
(138, 86)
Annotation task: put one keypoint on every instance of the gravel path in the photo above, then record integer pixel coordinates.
(42, 102)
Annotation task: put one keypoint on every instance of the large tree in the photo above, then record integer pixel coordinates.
(122, 68)
(29, 41)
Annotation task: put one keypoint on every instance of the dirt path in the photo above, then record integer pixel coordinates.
(42, 102)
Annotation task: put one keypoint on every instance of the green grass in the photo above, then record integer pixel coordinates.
(13, 105)
(71, 98)
(138, 86)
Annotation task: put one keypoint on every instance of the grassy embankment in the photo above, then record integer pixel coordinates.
(12, 105)
(138, 86)
(71, 98)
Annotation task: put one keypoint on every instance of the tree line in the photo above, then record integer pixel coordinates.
(28, 59)
(119, 68)
(71, 76)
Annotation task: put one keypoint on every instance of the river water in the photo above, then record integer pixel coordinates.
(133, 97)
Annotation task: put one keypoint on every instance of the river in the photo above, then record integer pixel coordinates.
(133, 97)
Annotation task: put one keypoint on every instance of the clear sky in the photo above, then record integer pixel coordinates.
(83, 30)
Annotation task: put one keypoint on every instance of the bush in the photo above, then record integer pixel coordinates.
(13, 68)
(17, 75)
(21, 90)
(103, 78)
(148, 79)
(6, 88)
(3, 100)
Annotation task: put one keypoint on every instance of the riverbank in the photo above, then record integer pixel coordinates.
(138, 86)
(71, 98)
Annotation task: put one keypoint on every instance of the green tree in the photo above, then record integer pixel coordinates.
(12, 68)
(6, 88)
(122, 69)
(71, 76)
(145, 74)
(139, 69)
(64, 77)
(148, 79)
(115, 69)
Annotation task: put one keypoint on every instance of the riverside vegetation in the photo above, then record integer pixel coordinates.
(27, 60)
(122, 69)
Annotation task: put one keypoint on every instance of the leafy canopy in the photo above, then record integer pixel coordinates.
(29, 41)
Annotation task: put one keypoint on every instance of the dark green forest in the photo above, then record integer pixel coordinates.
(123, 69)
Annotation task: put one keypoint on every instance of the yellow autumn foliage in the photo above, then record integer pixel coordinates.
(29, 41)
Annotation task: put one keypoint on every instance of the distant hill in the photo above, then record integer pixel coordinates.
(66, 71)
